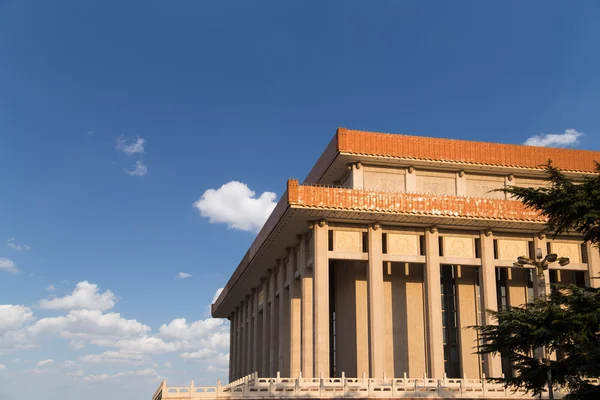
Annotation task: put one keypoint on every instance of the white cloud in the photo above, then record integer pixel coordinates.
(2, 367)
(183, 275)
(140, 169)
(131, 146)
(217, 293)
(179, 329)
(168, 364)
(8, 265)
(567, 139)
(76, 344)
(84, 296)
(89, 325)
(68, 364)
(45, 362)
(235, 204)
(76, 374)
(13, 317)
(149, 372)
(113, 357)
(50, 288)
(12, 244)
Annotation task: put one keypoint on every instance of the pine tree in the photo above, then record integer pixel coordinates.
(568, 322)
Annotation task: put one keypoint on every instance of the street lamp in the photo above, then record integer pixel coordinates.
(541, 264)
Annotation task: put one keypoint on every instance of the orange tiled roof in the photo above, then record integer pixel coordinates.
(409, 203)
(463, 151)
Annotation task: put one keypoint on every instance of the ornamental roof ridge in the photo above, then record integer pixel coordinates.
(463, 151)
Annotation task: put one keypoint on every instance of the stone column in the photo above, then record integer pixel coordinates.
(239, 349)
(243, 346)
(375, 297)
(488, 297)
(539, 282)
(321, 299)
(410, 180)
(307, 313)
(232, 334)
(435, 344)
(265, 369)
(255, 333)
(284, 320)
(592, 276)
(461, 183)
(294, 356)
(357, 175)
(274, 334)
(249, 346)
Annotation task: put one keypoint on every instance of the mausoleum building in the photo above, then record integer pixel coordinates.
(392, 247)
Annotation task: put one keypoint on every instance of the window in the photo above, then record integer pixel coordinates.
(449, 321)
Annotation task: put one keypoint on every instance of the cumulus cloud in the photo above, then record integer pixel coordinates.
(113, 357)
(12, 244)
(89, 325)
(45, 362)
(567, 139)
(13, 317)
(149, 372)
(217, 294)
(85, 296)
(183, 275)
(2, 367)
(235, 204)
(140, 169)
(8, 265)
(130, 146)
(50, 288)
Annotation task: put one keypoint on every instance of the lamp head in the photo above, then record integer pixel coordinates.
(538, 253)
(563, 261)
(522, 260)
(551, 257)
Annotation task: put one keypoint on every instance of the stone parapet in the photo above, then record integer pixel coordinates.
(253, 387)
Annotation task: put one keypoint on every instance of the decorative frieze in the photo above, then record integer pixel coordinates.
(459, 247)
(511, 249)
(402, 244)
(564, 249)
(347, 241)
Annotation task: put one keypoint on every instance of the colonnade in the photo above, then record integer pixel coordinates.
(284, 325)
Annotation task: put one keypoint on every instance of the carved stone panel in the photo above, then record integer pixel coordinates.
(511, 249)
(347, 242)
(483, 186)
(385, 181)
(459, 247)
(571, 250)
(436, 185)
(403, 244)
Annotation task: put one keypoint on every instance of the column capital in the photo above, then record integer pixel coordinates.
(322, 223)
(487, 232)
(433, 229)
(541, 235)
(376, 226)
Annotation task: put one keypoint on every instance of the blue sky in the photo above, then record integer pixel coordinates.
(201, 94)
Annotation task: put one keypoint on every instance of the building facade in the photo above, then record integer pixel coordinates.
(392, 247)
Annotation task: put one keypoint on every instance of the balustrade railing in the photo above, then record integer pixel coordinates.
(254, 387)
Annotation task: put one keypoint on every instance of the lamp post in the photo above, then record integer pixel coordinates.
(541, 264)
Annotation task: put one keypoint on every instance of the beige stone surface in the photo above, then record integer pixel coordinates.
(435, 344)
(466, 295)
(593, 261)
(489, 298)
(567, 249)
(404, 321)
(375, 309)
(321, 301)
(403, 244)
(347, 241)
(440, 183)
(460, 247)
(387, 180)
(511, 249)
(483, 186)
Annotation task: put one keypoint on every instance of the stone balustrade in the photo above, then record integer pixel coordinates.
(253, 387)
